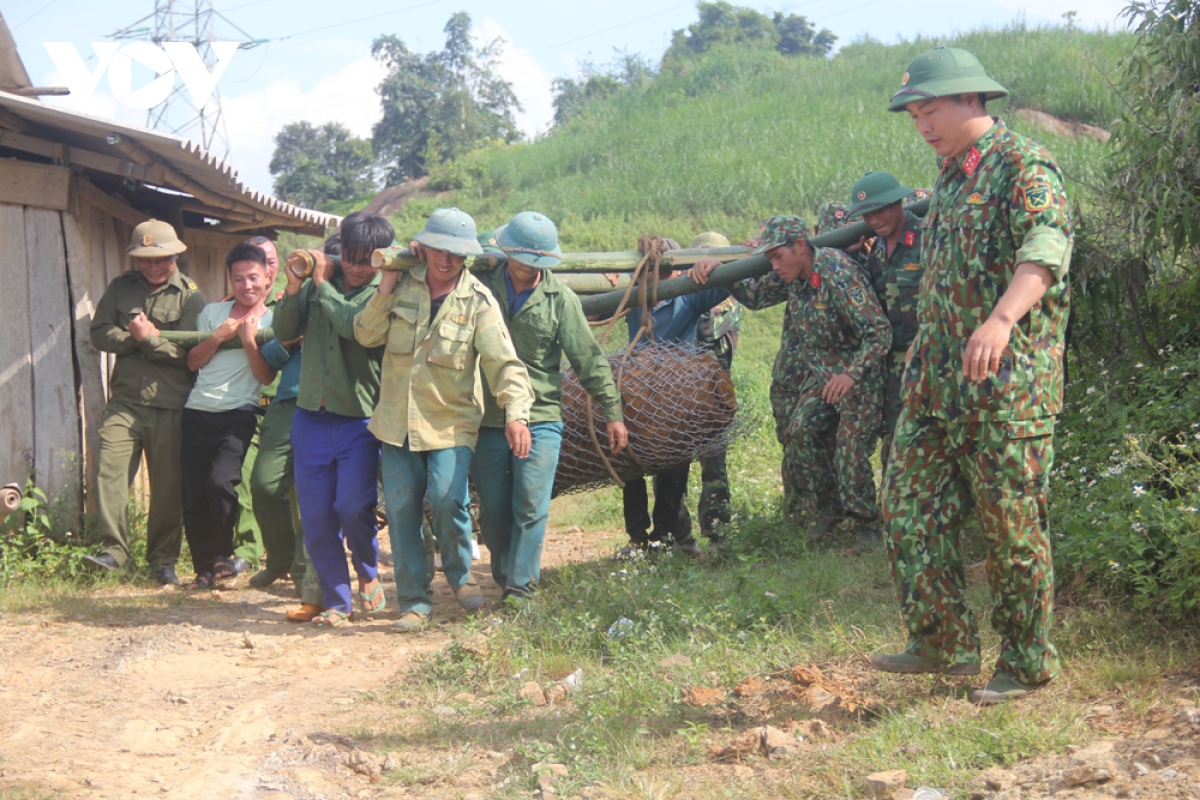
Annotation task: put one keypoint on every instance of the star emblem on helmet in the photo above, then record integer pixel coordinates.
(147, 240)
(904, 80)
(862, 195)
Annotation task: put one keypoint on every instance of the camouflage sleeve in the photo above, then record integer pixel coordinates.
(506, 374)
(759, 293)
(1040, 215)
(860, 308)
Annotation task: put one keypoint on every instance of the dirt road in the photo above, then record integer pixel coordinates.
(144, 692)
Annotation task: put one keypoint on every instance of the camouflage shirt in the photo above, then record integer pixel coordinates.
(998, 205)
(832, 324)
(897, 279)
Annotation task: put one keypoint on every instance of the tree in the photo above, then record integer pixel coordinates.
(440, 105)
(723, 24)
(1157, 140)
(319, 164)
(574, 95)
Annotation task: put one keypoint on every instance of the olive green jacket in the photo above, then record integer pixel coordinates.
(549, 325)
(337, 373)
(429, 396)
(152, 372)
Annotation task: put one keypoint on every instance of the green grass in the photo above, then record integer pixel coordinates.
(773, 602)
(734, 136)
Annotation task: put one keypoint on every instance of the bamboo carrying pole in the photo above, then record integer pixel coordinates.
(751, 267)
(579, 272)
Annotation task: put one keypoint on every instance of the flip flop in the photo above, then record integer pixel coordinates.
(368, 600)
(223, 569)
(331, 619)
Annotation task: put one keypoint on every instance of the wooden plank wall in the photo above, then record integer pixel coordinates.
(56, 423)
(16, 362)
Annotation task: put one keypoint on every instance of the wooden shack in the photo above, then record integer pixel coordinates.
(72, 187)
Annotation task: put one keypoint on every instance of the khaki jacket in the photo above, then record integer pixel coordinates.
(429, 393)
(152, 372)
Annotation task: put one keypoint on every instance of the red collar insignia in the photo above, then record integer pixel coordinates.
(278, 296)
(814, 280)
(910, 238)
(971, 161)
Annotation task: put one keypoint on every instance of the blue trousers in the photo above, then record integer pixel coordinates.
(514, 501)
(407, 477)
(336, 466)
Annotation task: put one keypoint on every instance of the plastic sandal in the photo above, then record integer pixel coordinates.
(368, 600)
(331, 619)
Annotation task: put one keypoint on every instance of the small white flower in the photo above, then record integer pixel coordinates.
(1138, 365)
(1138, 490)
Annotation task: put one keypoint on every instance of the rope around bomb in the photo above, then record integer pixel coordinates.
(652, 249)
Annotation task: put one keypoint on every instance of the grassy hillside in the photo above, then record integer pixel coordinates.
(734, 136)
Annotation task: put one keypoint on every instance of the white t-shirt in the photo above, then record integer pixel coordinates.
(226, 382)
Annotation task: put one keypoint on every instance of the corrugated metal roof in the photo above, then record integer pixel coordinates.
(79, 130)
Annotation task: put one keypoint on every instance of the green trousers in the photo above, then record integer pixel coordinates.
(783, 406)
(127, 432)
(247, 538)
(940, 472)
(271, 481)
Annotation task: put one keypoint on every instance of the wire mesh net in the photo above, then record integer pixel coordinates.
(679, 406)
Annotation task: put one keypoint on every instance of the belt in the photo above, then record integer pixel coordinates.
(264, 401)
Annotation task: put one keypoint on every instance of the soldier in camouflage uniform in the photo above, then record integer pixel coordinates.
(982, 387)
(835, 215)
(718, 330)
(841, 337)
(894, 266)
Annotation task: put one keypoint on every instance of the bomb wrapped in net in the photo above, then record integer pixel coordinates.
(680, 406)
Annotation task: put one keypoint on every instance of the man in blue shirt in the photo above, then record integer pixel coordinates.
(674, 321)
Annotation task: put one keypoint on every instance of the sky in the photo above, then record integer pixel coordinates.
(315, 63)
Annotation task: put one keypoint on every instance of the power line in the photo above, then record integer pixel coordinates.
(353, 21)
(613, 28)
(34, 14)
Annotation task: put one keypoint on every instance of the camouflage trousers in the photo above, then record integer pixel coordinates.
(831, 447)
(939, 471)
(893, 403)
(783, 406)
(714, 495)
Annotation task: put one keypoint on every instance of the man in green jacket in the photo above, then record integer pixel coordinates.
(546, 322)
(148, 388)
(440, 328)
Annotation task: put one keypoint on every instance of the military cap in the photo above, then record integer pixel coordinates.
(781, 230)
(942, 72)
(710, 239)
(530, 239)
(154, 239)
(875, 190)
(451, 230)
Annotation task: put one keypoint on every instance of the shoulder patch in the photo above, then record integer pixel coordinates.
(858, 296)
(910, 238)
(971, 162)
(1038, 195)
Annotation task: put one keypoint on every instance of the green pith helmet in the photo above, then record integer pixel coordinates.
(781, 230)
(530, 239)
(875, 190)
(154, 239)
(451, 230)
(942, 72)
(710, 239)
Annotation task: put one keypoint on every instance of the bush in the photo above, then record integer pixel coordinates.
(1125, 492)
(30, 545)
